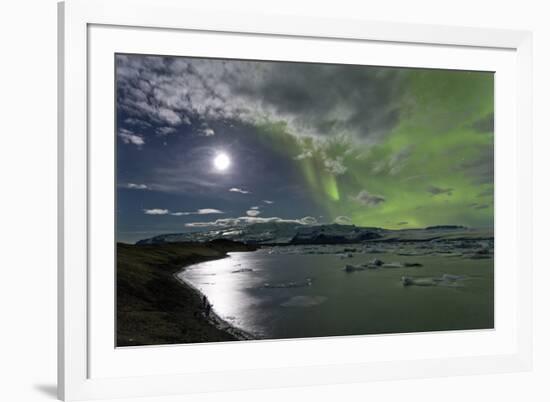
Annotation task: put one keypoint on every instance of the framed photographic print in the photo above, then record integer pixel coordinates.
(259, 201)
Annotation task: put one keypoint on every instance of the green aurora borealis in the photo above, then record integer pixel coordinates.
(445, 135)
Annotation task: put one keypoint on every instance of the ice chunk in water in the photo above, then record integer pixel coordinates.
(304, 301)
(299, 284)
(443, 280)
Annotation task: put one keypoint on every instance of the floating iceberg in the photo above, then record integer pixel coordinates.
(345, 255)
(301, 284)
(353, 268)
(304, 301)
(376, 263)
(444, 280)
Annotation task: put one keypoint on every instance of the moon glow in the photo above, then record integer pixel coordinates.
(221, 162)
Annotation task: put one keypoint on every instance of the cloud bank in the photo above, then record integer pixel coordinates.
(311, 99)
(249, 220)
(203, 211)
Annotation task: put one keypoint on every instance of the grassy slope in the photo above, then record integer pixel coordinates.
(152, 306)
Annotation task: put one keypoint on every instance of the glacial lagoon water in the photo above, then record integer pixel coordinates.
(304, 291)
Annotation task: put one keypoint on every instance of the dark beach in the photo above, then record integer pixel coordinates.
(154, 308)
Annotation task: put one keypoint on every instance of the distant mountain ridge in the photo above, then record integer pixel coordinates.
(282, 233)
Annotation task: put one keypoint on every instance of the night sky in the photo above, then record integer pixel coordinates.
(205, 143)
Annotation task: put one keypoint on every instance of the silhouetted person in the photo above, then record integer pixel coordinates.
(204, 301)
(208, 308)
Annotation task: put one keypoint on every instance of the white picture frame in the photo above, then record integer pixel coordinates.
(90, 369)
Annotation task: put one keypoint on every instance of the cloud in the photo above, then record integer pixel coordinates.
(415, 177)
(135, 186)
(395, 163)
(335, 166)
(481, 170)
(268, 202)
(367, 199)
(206, 211)
(169, 116)
(304, 155)
(254, 207)
(129, 137)
(343, 220)
(203, 211)
(312, 100)
(239, 190)
(487, 192)
(398, 160)
(308, 220)
(434, 190)
(479, 206)
(166, 130)
(207, 132)
(253, 212)
(485, 124)
(156, 211)
(250, 220)
(137, 122)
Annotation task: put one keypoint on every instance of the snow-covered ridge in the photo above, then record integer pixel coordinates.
(292, 233)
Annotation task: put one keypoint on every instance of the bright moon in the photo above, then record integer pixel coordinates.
(222, 161)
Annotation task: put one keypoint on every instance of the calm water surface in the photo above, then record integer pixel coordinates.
(287, 292)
